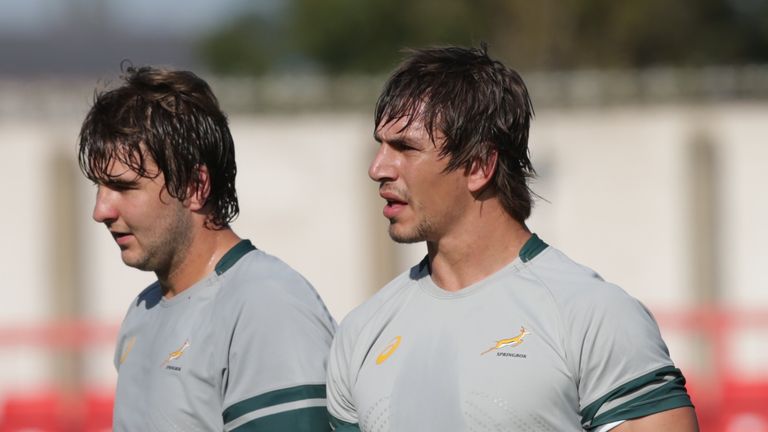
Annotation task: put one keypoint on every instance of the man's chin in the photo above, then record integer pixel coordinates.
(400, 236)
(139, 263)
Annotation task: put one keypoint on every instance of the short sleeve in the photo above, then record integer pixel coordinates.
(341, 407)
(623, 366)
(276, 366)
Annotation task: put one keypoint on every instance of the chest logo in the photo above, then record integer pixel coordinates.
(127, 349)
(176, 354)
(511, 342)
(388, 350)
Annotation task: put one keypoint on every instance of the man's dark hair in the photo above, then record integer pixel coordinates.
(480, 105)
(173, 118)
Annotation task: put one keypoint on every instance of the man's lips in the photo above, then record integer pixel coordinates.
(391, 210)
(394, 205)
(121, 238)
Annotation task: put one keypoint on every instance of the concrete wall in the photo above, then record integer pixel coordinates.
(665, 201)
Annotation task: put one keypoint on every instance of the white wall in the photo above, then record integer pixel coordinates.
(617, 180)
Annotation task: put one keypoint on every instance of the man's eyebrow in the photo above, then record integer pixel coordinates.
(398, 141)
(116, 181)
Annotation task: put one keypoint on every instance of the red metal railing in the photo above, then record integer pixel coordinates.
(725, 401)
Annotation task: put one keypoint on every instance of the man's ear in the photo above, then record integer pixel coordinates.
(199, 188)
(481, 172)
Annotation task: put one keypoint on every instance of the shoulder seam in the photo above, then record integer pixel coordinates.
(527, 266)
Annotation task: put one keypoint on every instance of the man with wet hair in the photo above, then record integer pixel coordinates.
(228, 337)
(494, 330)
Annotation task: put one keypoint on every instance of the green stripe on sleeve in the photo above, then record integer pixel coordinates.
(275, 397)
(669, 394)
(313, 419)
(342, 426)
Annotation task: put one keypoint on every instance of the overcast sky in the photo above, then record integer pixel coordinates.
(91, 37)
(155, 16)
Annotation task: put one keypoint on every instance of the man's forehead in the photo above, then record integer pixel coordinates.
(117, 167)
(130, 165)
(400, 127)
(408, 129)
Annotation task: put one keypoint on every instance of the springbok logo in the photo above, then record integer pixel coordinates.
(176, 354)
(388, 350)
(511, 342)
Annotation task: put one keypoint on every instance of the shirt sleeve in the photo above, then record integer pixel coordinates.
(341, 406)
(623, 366)
(275, 379)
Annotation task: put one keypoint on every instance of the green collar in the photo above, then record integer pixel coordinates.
(233, 255)
(531, 248)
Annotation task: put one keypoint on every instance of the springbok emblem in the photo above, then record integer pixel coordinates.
(511, 342)
(176, 354)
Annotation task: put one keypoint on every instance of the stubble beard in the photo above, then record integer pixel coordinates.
(419, 233)
(168, 245)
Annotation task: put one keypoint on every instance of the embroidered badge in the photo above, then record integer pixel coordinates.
(511, 342)
(175, 355)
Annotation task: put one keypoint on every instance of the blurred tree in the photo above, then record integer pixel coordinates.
(246, 46)
(352, 36)
(654, 32)
(366, 36)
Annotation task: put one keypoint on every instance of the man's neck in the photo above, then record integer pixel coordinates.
(471, 253)
(200, 259)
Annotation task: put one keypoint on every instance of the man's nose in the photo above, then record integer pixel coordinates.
(382, 166)
(104, 210)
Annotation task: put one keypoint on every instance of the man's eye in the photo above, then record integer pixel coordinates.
(120, 187)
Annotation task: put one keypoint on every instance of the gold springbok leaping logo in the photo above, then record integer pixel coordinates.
(511, 342)
(176, 354)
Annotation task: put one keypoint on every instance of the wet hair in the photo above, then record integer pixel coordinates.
(480, 106)
(173, 118)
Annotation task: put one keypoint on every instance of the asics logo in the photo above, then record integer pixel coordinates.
(388, 350)
(127, 349)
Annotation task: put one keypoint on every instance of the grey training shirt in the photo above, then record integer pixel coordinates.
(544, 344)
(244, 349)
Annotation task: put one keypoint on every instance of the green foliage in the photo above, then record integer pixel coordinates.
(244, 47)
(367, 36)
